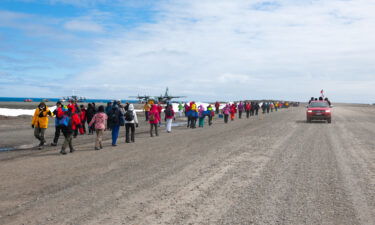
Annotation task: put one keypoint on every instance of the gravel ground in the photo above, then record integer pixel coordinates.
(275, 169)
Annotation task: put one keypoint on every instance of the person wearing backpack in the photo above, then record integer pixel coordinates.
(90, 113)
(252, 108)
(114, 122)
(193, 114)
(40, 122)
(154, 118)
(73, 106)
(169, 116)
(100, 121)
(69, 122)
(58, 112)
(131, 121)
(122, 112)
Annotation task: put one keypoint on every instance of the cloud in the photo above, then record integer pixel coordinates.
(235, 49)
(86, 26)
(229, 50)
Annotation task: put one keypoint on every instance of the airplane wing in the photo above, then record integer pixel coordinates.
(177, 96)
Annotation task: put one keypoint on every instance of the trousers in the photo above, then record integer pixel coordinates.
(115, 132)
(169, 125)
(129, 132)
(152, 127)
(39, 133)
(99, 138)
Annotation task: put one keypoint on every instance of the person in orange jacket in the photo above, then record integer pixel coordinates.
(146, 108)
(40, 122)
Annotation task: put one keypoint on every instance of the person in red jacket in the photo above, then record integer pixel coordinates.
(83, 117)
(160, 109)
(233, 111)
(169, 116)
(73, 107)
(69, 128)
(187, 112)
(217, 108)
(247, 109)
(154, 119)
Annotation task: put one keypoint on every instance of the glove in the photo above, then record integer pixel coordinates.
(136, 125)
(32, 126)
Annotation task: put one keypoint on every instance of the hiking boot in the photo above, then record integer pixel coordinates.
(101, 146)
(53, 144)
(72, 150)
(97, 148)
(63, 152)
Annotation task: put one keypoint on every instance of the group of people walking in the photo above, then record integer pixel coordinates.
(71, 119)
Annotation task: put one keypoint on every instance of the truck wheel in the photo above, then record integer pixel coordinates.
(329, 120)
(308, 120)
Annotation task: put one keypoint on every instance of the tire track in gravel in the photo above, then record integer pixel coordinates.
(356, 163)
(183, 188)
(301, 184)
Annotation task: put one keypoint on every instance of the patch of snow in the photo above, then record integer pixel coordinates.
(20, 112)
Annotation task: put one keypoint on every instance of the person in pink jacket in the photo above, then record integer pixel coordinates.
(226, 112)
(100, 121)
(154, 119)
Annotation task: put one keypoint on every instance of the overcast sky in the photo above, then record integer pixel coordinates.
(205, 49)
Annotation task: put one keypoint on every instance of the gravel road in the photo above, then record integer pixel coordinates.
(276, 169)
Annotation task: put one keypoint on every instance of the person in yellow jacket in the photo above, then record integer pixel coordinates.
(147, 108)
(40, 122)
(193, 114)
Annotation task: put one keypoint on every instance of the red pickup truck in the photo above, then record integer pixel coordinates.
(319, 110)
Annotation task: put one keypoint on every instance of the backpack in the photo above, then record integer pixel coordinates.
(114, 117)
(152, 117)
(65, 121)
(129, 116)
(168, 113)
